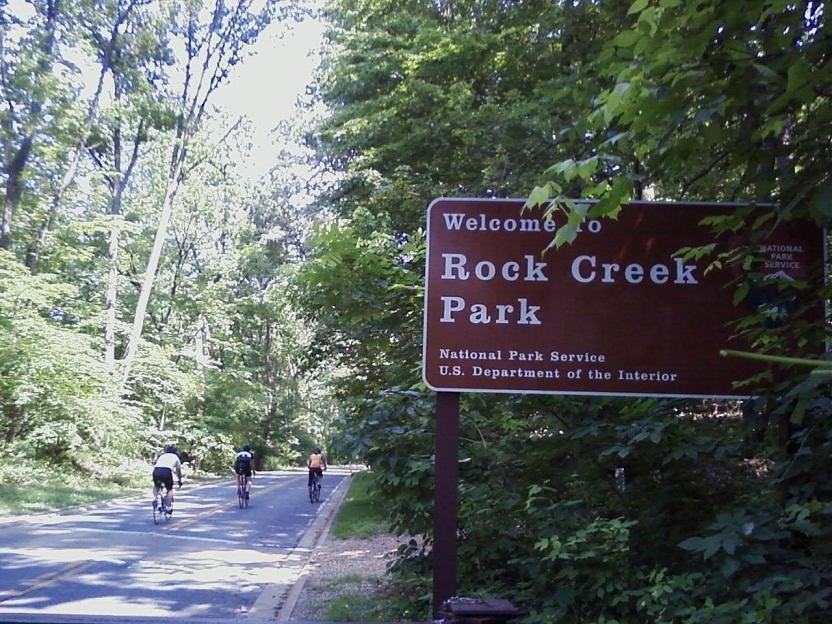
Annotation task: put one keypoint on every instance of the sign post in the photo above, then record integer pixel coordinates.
(618, 312)
(446, 443)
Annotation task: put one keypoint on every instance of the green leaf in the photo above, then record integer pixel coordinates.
(729, 544)
(615, 99)
(822, 200)
(741, 293)
(712, 546)
(561, 167)
(587, 167)
(799, 411)
(692, 544)
(765, 71)
(762, 219)
(798, 77)
(566, 234)
(614, 139)
(626, 39)
(595, 190)
(610, 205)
(539, 195)
(637, 6)
(650, 18)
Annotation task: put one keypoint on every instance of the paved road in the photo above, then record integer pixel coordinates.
(212, 559)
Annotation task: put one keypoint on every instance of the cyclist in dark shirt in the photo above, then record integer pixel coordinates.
(244, 467)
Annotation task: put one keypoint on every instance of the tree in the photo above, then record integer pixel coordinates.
(137, 60)
(213, 43)
(30, 51)
(697, 90)
(108, 44)
(461, 98)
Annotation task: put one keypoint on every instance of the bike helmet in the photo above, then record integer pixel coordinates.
(317, 451)
(246, 448)
(170, 448)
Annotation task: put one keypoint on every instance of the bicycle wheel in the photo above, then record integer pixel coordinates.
(158, 506)
(241, 494)
(316, 490)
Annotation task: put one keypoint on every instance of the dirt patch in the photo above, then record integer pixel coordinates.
(342, 566)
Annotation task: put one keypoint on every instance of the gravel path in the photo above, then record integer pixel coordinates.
(342, 566)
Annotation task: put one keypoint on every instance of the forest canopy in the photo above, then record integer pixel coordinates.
(610, 510)
(143, 273)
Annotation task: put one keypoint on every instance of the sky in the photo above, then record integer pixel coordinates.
(265, 87)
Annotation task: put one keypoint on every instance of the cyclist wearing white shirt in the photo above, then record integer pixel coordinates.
(163, 470)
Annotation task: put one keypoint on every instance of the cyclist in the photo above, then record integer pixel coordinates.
(244, 467)
(316, 464)
(163, 470)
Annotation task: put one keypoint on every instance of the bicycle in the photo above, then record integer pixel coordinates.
(159, 509)
(242, 494)
(315, 490)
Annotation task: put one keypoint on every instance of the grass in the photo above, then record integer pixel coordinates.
(28, 486)
(355, 606)
(360, 599)
(362, 514)
(58, 490)
(346, 579)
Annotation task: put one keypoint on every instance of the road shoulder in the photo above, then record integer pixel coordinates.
(277, 601)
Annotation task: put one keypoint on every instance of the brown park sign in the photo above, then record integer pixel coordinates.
(617, 312)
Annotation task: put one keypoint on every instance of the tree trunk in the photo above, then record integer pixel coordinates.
(119, 183)
(210, 58)
(15, 167)
(14, 189)
(112, 294)
(199, 345)
(12, 417)
(33, 253)
(163, 417)
(152, 265)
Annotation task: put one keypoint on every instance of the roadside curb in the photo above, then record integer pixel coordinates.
(277, 601)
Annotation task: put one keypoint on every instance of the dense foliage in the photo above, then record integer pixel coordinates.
(580, 510)
(143, 274)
